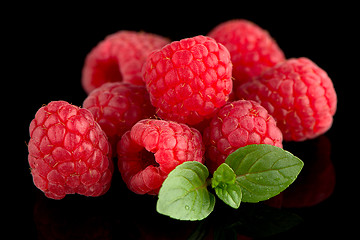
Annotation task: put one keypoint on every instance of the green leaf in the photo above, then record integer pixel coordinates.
(184, 194)
(223, 174)
(263, 171)
(226, 187)
(230, 194)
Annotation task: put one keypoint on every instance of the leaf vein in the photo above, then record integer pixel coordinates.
(252, 165)
(277, 161)
(239, 165)
(194, 188)
(262, 184)
(267, 170)
(243, 187)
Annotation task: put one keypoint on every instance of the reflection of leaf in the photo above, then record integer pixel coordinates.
(262, 221)
(184, 193)
(201, 230)
(257, 220)
(252, 220)
(263, 171)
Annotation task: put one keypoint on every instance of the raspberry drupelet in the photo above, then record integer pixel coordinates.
(188, 80)
(298, 94)
(68, 152)
(238, 124)
(117, 106)
(152, 149)
(252, 49)
(119, 57)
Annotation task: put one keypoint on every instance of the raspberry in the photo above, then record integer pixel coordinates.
(298, 94)
(189, 80)
(148, 153)
(238, 124)
(119, 57)
(68, 152)
(117, 107)
(252, 49)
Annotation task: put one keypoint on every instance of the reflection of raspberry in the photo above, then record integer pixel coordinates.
(148, 153)
(119, 58)
(298, 94)
(317, 179)
(251, 48)
(236, 125)
(117, 107)
(51, 218)
(68, 152)
(189, 80)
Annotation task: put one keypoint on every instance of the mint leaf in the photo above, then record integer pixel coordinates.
(226, 187)
(230, 194)
(223, 174)
(184, 194)
(263, 171)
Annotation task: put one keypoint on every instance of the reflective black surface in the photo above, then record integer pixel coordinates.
(321, 203)
(120, 214)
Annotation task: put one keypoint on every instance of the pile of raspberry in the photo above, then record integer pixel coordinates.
(154, 103)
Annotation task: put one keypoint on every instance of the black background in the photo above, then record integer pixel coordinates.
(45, 47)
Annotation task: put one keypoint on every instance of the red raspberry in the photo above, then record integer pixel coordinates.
(68, 152)
(189, 80)
(152, 149)
(238, 124)
(298, 94)
(119, 57)
(117, 107)
(252, 49)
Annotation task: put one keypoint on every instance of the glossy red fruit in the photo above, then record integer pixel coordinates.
(119, 57)
(152, 149)
(252, 49)
(238, 124)
(117, 107)
(298, 94)
(189, 80)
(68, 152)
